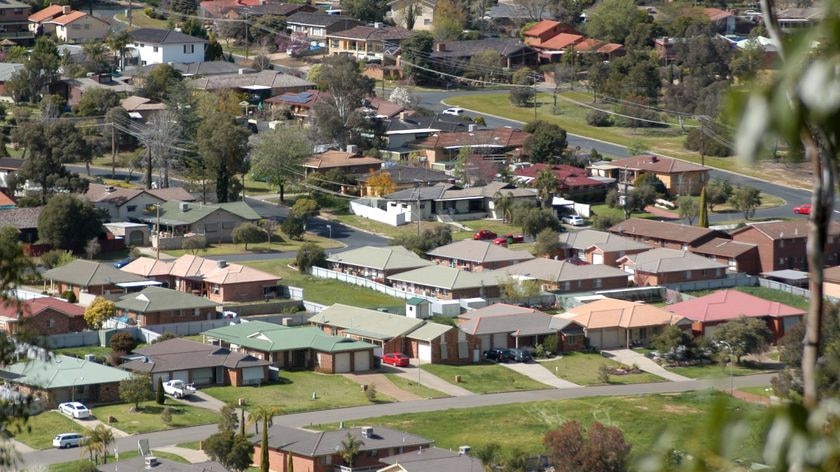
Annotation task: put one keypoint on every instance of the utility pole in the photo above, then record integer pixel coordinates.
(535, 96)
(417, 189)
(157, 229)
(702, 143)
(128, 14)
(246, 34)
(113, 151)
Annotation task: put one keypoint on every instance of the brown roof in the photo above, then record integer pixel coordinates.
(371, 33)
(610, 48)
(501, 137)
(481, 252)
(189, 266)
(561, 41)
(119, 196)
(716, 14)
(37, 305)
(540, 27)
(663, 260)
(677, 232)
(332, 159)
(135, 103)
(611, 313)
(69, 18)
(587, 45)
(660, 165)
(725, 305)
(832, 274)
(792, 229)
(182, 354)
(47, 13)
(724, 248)
(20, 218)
(6, 200)
(179, 194)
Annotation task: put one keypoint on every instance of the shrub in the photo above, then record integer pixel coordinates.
(122, 342)
(166, 415)
(612, 198)
(550, 343)
(370, 393)
(604, 373)
(710, 147)
(605, 222)
(310, 255)
(160, 399)
(69, 296)
(293, 227)
(56, 258)
(194, 244)
(598, 118)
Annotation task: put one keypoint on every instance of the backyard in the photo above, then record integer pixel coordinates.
(483, 378)
(582, 369)
(148, 419)
(39, 430)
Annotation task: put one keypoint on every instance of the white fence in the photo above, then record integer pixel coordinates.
(798, 291)
(367, 283)
(188, 328)
(376, 214)
(83, 338)
(730, 281)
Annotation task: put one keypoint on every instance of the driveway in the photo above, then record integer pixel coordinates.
(427, 379)
(630, 357)
(383, 386)
(535, 371)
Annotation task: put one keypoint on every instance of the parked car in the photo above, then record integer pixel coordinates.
(123, 262)
(455, 111)
(520, 355)
(574, 220)
(484, 234)
(74, 410)
(497, 354)
(397, 359)
(500, 242)
(178, 388)
(65, 440)
(802, 209)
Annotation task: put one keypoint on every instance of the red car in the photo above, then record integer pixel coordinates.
(397, 359)
(802, 209)
(500, 242)
(484, 234)
(516, 238)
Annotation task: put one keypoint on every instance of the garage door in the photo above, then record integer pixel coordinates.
(252, 375)
(361, 361)
(597, 258)
(342, 363)
(500, 340)
(609, 339)
(203, 376)
(181, 375)
(163, 378)
(425, 353)
(485, 342)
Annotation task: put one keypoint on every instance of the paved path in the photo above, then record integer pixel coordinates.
(194, 456)
(629, 357)
(427, 379)
(383, 386)
(92, 423)
(202, 400)
(539, 373)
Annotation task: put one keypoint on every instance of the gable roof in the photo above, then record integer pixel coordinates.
(432, 459)
(561, 41)
(271, 337)
(71, 17)
(790, 229)
(84, 273)
(540, 27)
(372, 33)
(662, 260)
(324, 443)
(171, 212)
(36, 306)
(479, 251)
(380, 258)
(429, 331)
(505, 47)
(155, 299)
(183, 354)
(59, 371)
(10, 163)
(562, 271)
(162, 36)
(567, 176)
(657, 164)
(678, 232)
(724, 248)
(406, 174)
(333, 158)
(364, 322)
(21, 218)
(508, 319)
(267, 78)
(449, 278)
(445, 191)
(610, 313)
(716, 14)
(318, 19)
(6, 202)
(607, 242)
(196, 267)
(137, 464)
(503, 137)
(730, 304)
(46, 13)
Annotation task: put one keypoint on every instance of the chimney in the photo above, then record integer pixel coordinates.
(352, 149)
(221, 264)
(402, 116)
(472, 127)
(654, 159)
(440, 47)
(367, 431)
(66, 9)
(241, 71)
(184, 206)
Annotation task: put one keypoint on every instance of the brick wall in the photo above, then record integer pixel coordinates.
(237, 292)
(61, 323)
(171, 316)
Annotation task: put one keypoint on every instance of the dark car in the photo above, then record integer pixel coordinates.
(520, 355)
(124, 262)
(497, 354)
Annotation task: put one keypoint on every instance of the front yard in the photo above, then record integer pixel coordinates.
(294, 393)
(484, 378)
(279, 243)
(39, 430)
(148, 418)
(414, 387)
(717, 370)
(582, 369)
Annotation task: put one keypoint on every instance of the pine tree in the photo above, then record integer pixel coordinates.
(703, 221)
(159, 398)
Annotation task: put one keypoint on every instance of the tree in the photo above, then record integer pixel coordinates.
(194, 27)
(350, 447)
(96, 102)
(263, 415)
(122, 342)
(746, 62)
(598, 76)
(214, 50)
(95, 54)
(136, 389)
(293, 227)
(534, 8)
(380, 183)
(234, 451)
(40, 70)
(337, 114)
(368, 11)
(305, 208)
(745, 336)
(269, 225)
(522, 93)
(310, 255)
(547, 243)
(546, 185)
(403, 97)
(599, 449)
(546, 142)
(228, 418)
(503, 205)
(159, 82)
(670, 338)
(223, 144)
(425, 242)
(612, 20)
(118, 41)
(194, 244)
(639, 198)
(48, 146)
(218, 446)
(746, 199)
(279, 155)
(98, 441)
(489, 454)
(539, 219)
(241, 452)
(718, 192)
(92, 248)
(160, 398)
(248, 233)
(688, 208)
(448, 21)
(704, 210)
(416, 51)
(68, 222)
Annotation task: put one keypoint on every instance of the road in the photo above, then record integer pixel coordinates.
(168, 438)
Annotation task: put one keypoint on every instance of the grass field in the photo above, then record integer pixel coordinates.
(414, 387)
(74, 466)
(101, 352)
(716, 370)
(582, 369)
(294, 394)
(148, 418)
(376, 227)
(39, 430)
(763, 391)
(326, 291)
(279, 243)
(484, 378)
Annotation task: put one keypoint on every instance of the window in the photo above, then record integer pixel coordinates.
(189, 48)
(211, 227)
(50, 323)
(155, 49)
(18, 11)
(427, 21)
(216, 289)
(598, 283)
(781, 243)
(131, 208)
(2, 12)
(228, 225)
(688, 275)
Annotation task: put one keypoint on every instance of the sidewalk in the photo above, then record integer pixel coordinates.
(629, 357)
(536, 372)
(430, 380)
(194, 456)
(383, 386)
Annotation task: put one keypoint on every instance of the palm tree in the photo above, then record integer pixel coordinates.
(106, 437)
(546, 185)
(503, 205)
(516, 461)
(117, 42)
(97, 441)
(488, 455)
(94, 52)
(350, 447)
(264, 415)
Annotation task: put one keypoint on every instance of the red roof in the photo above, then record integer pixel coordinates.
(561, 41)
(38, 305)
(610, 48)
(68, 18)
(657, 164)
(220, 7)
(498, 137)
(6, 200)
(541, 27)
(50, 12)
(588, 45)
(567, 176)
(716, 14)
(730, 304)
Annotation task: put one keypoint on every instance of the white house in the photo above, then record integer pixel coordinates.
(159, 46)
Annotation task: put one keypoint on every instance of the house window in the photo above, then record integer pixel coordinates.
(326, 460)
(196, 311)
(211, 227)
(427, 21)
(155, 49)
(131, 208)
(216, 289)
(781, 243)
(688, 275)
(189, 48)
(2, 12)
(228, 225)
(50, 323)
(598, 283)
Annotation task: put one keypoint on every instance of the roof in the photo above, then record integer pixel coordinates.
(179, 194)
(432, 459)
(46, 13)
(267, 78)
(194, 68)
(790, 229)
(562, 271)
(136, 103)
(156, 299)
(368, 323)
(588, 45)
(324, 443)
(58, 371)
(504, 318)
(196, 267)
(14, 4)
(540, 27)
(317, 19)
(832, 274)
(449, 278)
(381, 108)
(656, 164)
(332, 159)
(10, 163)
(148, 267)
(84, 273)
(662, 260)
(219, 7)
(561, 41)
(724, 248)
(70, 17)
(271, 337)
(35, 306)
(6, 201)
(282, 9)
(118, 196)
(505, 47)
(162, 36)
(479, 251)
(445, 191)
(498, 137)
(21, 218)
(172, 214)
(678, 232)
(429, 331)
(184, 354)
(407, 174)
(380, 258)
(716, 14)
(567, 176)
(8, 69)
(138, 464)
(787, 275)
(610, 48)
(305, 99)
(372, 33)
(607, 242)
(725, 305)
(611, 313)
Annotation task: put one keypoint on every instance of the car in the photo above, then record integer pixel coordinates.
(65, 440)
(802, 209)
(497, 354)
(74, 409)
(123, 262)
(500, 241)
(396, 359)
(455, 111)
(484, 234)
(514, 238)
(520, 355)
(574, 220)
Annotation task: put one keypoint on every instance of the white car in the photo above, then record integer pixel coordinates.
(64, 440)
(574, 220)
(453, 111)
(74, 409)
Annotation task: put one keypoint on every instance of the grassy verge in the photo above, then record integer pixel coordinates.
(762, 391)
(189, 445)
(294, 393)
(326, 291)
(148, 418)
(279, 243)
(414, 387)
(254, 187)
(74, 466)
(39, 430)
(618, 213)
(582, 369)
(716, 370)
(484, 378)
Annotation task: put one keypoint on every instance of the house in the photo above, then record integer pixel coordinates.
(663, 266)
(132, 234)
(664, 234)
(25, 220)
(197, 363)
(139, 464)
(782, 244)
(44, 316)
(708, 312)
(220, 8)
(553, 49)
(402, 130)
(722, 20)
(14, 23)
(666, 46)
(349, 162)
(739, 256)
(193, 69)
(573, 183)
(160, 46)
(598, 247)
(385, 331)
(403, 177)
(74, 89)
(158, 305)
(7, 70)
(81, 276)
(142, 108)
(512, 52)
(8, 167)
(492, 144)
(795, 18)
(422, 13)
(451, 201)
(6, 202)
(438, 343)
(449, 283)
(476, 256)
(218, 281)
(79, 27)
(302, 347)
(38, 20)
(263, 84)
(298, 104)
(831, 281)
(544, 30)
(314, 28)
(215, 221)
(432, 459)
(130, 204)
(313, 451)
(272, 8)
(616, 324)
(376, 263)
(679, 177)
(508, 326)
(367, 43)
(57, 379)
(565, 276)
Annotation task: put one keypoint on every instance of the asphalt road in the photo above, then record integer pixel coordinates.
(168, 438)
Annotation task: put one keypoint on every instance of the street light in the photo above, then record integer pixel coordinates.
(729, 347)
(329, 227)
(73, 388)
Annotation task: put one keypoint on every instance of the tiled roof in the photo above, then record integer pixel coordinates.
(662, 260)
(610, 48)
(508, 319)
(317, 19)
(58, 371)
(607, 242)
(196, 267)
(21, 218)
(6, 201)
(380, 258)
(184, 354)
(498, 137)
(220, 7)
(271, 337)
(450, 278)
(35, 306)
(540, 27)
(162, 36)
(716, 14)
(724, 248)
(282, 9)
(678, 232)
(832, 274)
(155, 299)
(69, 18)
(333, 159)
(45, 14)
(563, 271)
(305, 99)
(324, 443)
(135, 103)
(567, 176)
(561, 41)
(657, 164)
(266, 78)
(433, 459)
(371, 33)
(588, 45)
(611, 313)
(407, 174)
(725, 305)
(505, 47)
(481, 252)
(382, 325)
(791, 229)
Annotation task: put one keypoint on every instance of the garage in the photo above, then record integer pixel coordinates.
(181, 375)
(361, 361)
(605, 339)
(342, 363)
(485, 342)
(425, 352)
(202, 376)
(164, 377)
(500, 340)
(252, 375)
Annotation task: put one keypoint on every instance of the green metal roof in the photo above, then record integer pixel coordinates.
(271, 337)
(154, 299)
(374, 324)
(380, 258)
(171, 214)
(415, 301)
(88, 273)
(60, 372)
(450, 278)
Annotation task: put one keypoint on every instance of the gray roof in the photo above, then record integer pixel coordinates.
(21, 218)
(661, 260)
(14, 4)
(664, 230)
(7, 69)
(562, 271)
(504, 46)
(449, 278)
(162, 36)
(138, 464)
(445, 191)
(182, 354)
(434, 459)
(366, 323)
(509, 319)
(318, 19)
(90, 274)
(324, 443)
(479, 251)
(171, 213)
(10, 163)
(266, 78)
(380, 258)
(608, 242)
(154, 299)
(195, 68)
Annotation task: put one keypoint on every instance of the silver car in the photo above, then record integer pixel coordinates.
(64, 440)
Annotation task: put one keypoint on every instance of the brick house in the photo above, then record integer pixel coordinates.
(781, 244)
(509, 326)
(437, 343)
(14, 22)
(376, 263)
(158, 305)
(44, 316)
(739, 256)
(432, 459)
(476, 256)
(664, 234)
(598, 247)
(664, 266)
(544, 30)
(572, 182)
(367, 43)
(313, 28)
(679, 177)
(513, 53)
(385, 331)
(91, 277)
(215, 222)
(563, 276)
(491, 144)
(349, 162)
(449, 283)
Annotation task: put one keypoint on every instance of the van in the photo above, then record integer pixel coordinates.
(65, 440)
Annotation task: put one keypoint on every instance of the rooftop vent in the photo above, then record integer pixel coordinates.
(367, 431)
(151, 461)
(184, 206)
(221, 264)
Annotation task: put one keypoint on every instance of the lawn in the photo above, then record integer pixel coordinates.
(414, 387)
(101, 352)
(327, 292)
(642, 419)
(39, 430)
(371, 226)
(484, 378)
(618, 213)
(582, 369)
(139, 19)
(294, 393)
(254, 187)
(279, 243)
(73, 466)
(148, 419)
(716, 370)
(496, 226)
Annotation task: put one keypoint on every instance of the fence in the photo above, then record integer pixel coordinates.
(730, 281)
(376, 214)
(367, 283)
(188, 328)
(83, 338)
(798, 291)
(263, 308)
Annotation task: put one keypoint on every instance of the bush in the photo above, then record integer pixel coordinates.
(551, 343)
(598, 118)
(604, 373)
(69, 296)
(194, 244)
(310, 255)
(370, 393)
(605, 222)
(56, 258)
(122, 342)
(160, 399)
(710, 147)
(166, 415)
(293, 227)
(612, 199)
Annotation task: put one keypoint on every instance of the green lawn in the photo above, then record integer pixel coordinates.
(617, 212)
(326, 291)
(101, 352)
(253, 187)
(762, 391)
(484, 378)
(376, 227)
(294, 394)
(414, 387)
(148, 419)
(39, 430)
(582, 369)
(716, 370)
(140, 20)
(279, 243)
(642, 419)
(189, 445)
(74, 466)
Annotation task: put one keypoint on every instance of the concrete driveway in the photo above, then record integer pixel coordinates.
(629, 357)
(536, 372)
(427, 379)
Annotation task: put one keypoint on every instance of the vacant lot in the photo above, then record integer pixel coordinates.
(484, 378)
(39, 430)
(148, 418)
(582, 369)
(717, 370)
(414, 387)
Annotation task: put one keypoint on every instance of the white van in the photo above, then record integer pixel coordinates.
(65, 440)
